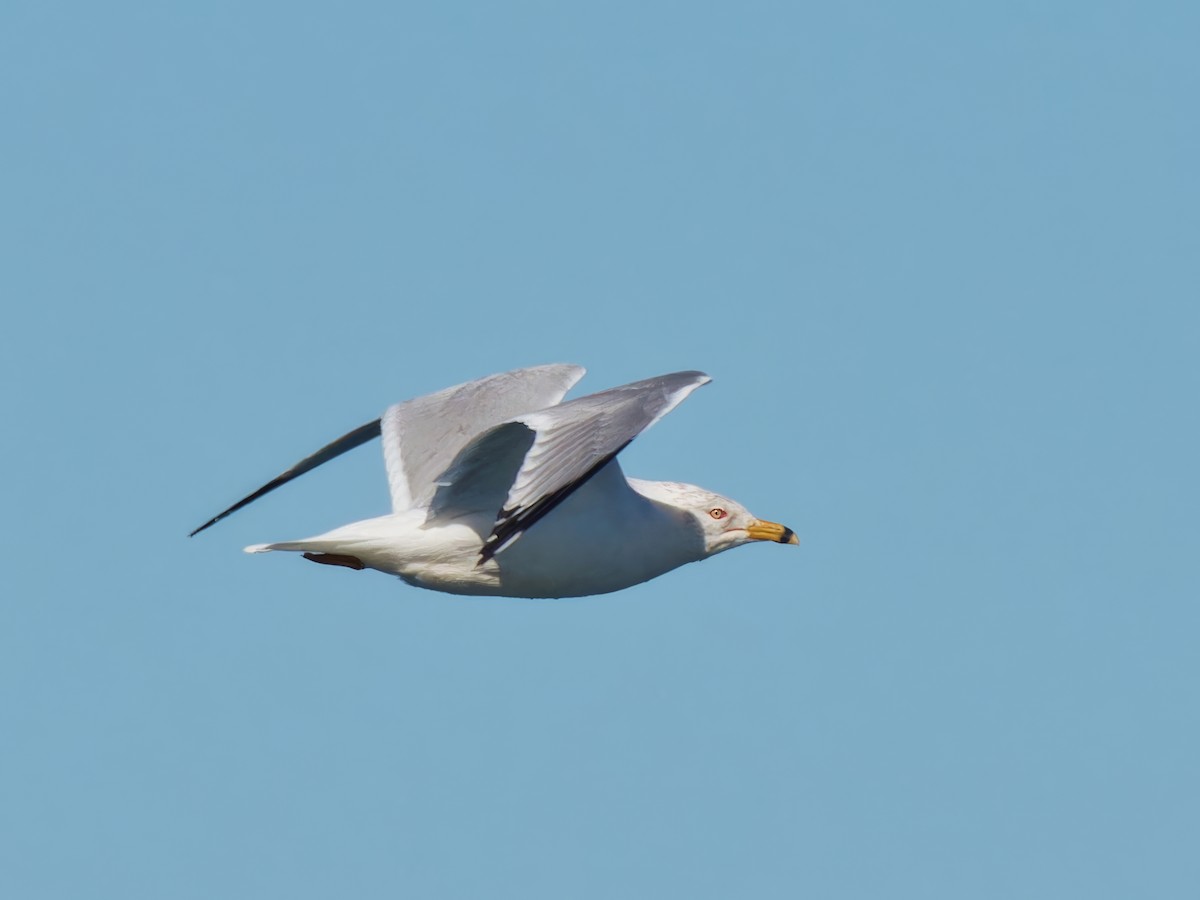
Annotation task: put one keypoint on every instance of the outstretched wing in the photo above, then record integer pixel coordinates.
(535, 461)
(358, 436)
(422, 437)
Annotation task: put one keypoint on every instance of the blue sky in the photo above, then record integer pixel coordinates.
(940, 261)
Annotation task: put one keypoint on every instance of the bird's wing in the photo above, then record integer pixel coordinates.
(530, 464)
(358, 436)
(422, 437)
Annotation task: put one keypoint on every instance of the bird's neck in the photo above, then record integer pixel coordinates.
(669, 529)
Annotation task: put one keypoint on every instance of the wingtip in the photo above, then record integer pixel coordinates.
(695, 378)
(196, 531)
(572, 372)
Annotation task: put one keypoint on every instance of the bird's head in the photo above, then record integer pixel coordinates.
(724, 523)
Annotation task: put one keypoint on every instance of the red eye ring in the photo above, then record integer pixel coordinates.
(718, 513)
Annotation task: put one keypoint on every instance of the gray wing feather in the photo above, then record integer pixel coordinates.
(423, 437)
(574, 440)
(481, 475)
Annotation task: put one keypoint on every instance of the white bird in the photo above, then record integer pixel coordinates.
(498, 487)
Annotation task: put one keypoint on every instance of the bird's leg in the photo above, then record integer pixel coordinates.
(336, 559)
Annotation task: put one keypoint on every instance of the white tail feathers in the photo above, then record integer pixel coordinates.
(312, 546)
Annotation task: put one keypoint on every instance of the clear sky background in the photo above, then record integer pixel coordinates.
(941, 261)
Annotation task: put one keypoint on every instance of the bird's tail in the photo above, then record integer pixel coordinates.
(309, 546)
(325, 552)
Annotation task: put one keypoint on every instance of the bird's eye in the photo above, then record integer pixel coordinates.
(717, 513)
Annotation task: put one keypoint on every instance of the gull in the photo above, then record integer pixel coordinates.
(501, 488)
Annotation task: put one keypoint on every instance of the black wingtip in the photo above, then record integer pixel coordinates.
(512, 523)
(213, 521)
(358, 436)
(491, 547)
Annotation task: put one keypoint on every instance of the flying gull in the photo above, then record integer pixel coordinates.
(499, 487)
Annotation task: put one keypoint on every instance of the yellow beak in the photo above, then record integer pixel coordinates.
(772, 531)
